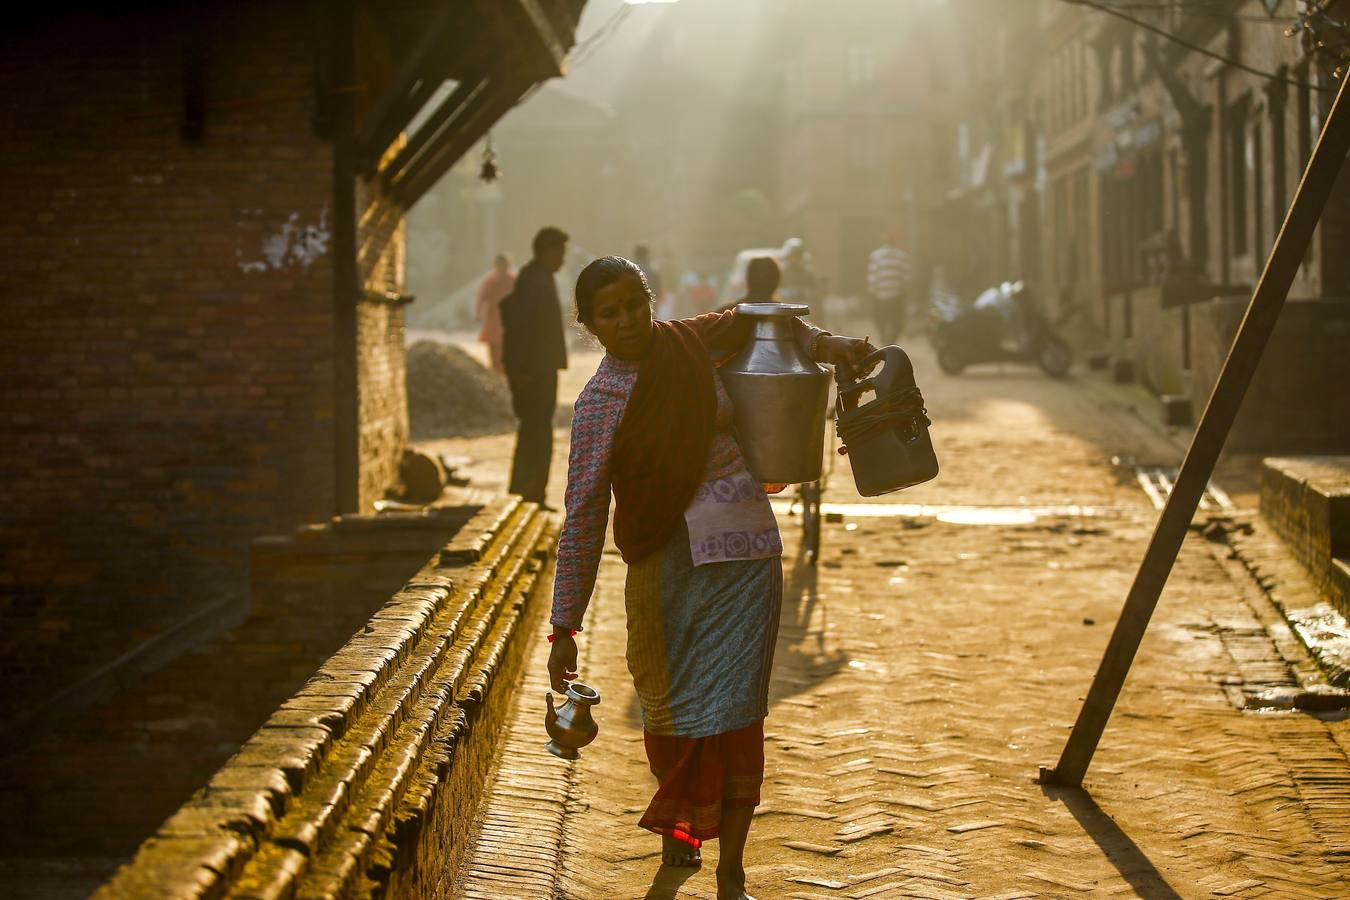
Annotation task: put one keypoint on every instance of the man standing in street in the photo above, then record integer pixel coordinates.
(533, 350)
(888, 285)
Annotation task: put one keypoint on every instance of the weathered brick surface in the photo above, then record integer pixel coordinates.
(100, 782)
(1307, 500)
(319, 584)
(382, 393)
(364, 781)
(381, 262)
(168, 338)
(1294, 404)
(161, 405)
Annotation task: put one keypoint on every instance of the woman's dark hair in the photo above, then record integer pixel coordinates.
(600, 274)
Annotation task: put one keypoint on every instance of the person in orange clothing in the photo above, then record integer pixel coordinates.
(495, 285)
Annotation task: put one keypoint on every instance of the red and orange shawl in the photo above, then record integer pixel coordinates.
(662, 443)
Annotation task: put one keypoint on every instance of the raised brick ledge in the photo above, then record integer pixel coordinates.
(1307, 501)
(368, 775)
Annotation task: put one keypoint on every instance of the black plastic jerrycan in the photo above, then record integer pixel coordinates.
(886, 438)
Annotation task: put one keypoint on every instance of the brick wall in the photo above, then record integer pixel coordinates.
(1292, 404)
(1297, 402)
(381, 365)
(1307, 499)
(382, 393)
(167, 341)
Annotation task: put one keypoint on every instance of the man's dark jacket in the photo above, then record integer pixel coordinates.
(532, 328)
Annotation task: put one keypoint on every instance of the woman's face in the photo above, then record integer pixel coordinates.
(621, 318)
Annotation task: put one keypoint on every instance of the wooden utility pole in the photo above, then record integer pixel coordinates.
(1250, 343)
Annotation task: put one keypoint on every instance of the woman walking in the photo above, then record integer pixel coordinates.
(704, 588)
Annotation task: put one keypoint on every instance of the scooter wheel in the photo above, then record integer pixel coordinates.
(1055, 358)
(949, 360)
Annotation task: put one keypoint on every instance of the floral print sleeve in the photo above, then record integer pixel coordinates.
(595, 420)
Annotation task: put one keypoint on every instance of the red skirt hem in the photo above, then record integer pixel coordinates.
(700, 777)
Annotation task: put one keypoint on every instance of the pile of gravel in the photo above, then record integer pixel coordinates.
(451, 394)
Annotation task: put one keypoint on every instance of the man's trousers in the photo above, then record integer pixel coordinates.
(533, 399)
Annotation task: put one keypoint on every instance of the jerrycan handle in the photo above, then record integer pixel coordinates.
(850, 384)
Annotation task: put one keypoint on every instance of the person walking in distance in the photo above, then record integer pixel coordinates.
(494, 286)
(533, 350)
(888, 286)
(761, 281)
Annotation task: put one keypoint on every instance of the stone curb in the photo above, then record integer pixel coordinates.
(339, 790)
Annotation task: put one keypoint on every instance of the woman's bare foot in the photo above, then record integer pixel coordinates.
(731, 885)
(677, 853)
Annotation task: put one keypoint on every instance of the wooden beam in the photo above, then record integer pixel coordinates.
(480, 115)
(527, 18)
(448, 112)
(1250, 343)
(411, 87)
(543, 26)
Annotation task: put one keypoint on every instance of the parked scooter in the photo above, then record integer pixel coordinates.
(1004, 324)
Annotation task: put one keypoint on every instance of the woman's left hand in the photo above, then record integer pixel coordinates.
(837, 350)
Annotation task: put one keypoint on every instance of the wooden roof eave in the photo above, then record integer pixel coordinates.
(521, 48)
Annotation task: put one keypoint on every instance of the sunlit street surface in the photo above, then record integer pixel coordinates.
(926, 668)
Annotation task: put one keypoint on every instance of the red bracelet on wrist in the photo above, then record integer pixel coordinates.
(552, 636)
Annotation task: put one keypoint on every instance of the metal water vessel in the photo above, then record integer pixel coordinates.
(779, 395)
(571, 726)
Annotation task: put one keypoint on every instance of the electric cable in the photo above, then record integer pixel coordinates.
(1192, 10)
(1203, 51)
(597, 38)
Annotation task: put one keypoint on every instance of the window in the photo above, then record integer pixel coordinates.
(1237, 177)
(1174, 189)
(1127, 65)
(1306, 117)
(942, 156)
(1080, 79)
(1059, 200)
(1107, 234)
(1082, 231)
(1279, 165)
(794, 83)
(862, 65)
(864, 156)
(1256, 163)
(1106, 63)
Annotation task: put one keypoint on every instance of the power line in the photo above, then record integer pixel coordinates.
(1213, 12)
(601, 34)
(586, 47)
(1203, 51)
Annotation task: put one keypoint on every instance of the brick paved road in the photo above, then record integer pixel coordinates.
(927, 668)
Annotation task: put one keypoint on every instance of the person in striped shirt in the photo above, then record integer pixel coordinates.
(888, 286)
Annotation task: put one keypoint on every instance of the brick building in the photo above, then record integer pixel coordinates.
(202, 338)
(1142, 169)
(853, 91)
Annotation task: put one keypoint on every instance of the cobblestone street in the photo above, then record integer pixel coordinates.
(926, 668)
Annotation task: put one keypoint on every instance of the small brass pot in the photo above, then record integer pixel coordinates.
(571, 726)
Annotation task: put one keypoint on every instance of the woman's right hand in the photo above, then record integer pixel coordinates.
(562, 660)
